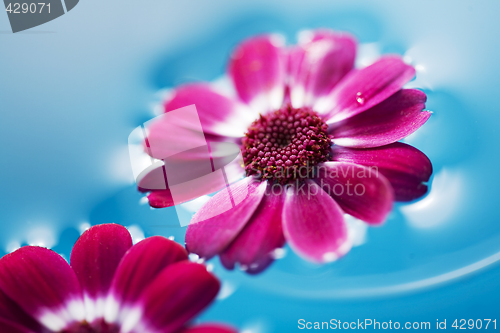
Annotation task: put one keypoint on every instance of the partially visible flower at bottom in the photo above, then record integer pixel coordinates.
(109, 287)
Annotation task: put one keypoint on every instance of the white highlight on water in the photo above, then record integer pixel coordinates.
(84, 226)
(441, 204)
(356, 230)
(41, 236)
(136, 233)
(226, 290)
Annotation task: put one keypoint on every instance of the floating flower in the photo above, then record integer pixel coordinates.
(318, 139)
(110, 287)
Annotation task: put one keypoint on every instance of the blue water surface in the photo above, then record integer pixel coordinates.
(73, 89)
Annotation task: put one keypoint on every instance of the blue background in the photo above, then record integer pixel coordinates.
(73, 89)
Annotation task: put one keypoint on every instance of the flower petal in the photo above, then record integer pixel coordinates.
(359, 191)
(176, 295)
(162, 199)
(141, 265)
(193, 164)
(313, 223)
(43, 284)
(316, 66)
(217, 223)
(209, 328)
(363, 89)
(257, 70)
(385, 123)
(96, 256)
(190, 166)
(406, 168)
(7, 326)
(193, 185)
(180, 134)
(218, 114)
(12, 313)
(263, 233)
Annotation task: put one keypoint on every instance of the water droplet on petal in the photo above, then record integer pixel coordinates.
(171, 238)
(278, 253)
(254, 266)
(360, 99)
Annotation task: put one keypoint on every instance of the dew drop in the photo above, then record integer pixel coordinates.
(278, 253)
(360, 99)
(194, 257)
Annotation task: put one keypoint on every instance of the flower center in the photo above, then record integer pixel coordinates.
(285, 145)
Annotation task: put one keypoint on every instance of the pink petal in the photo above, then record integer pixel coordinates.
(162, 199)
(142, 263)
(313, 223)
(190, 166)
(406, 168)
(12, 313)
(365, 88)
(217, 223)
(385, 123)
(261, 236)
(209, 328)
(179, 133)
(190, 183)
(257, 70)
(177, 294)
(318, 65)
(193, 164)
(96, 256)
(7, 326)
(43, 284)
(218, 114)
(359, 191)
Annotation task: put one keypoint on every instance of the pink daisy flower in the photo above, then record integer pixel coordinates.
(110, 287)
(304, 118)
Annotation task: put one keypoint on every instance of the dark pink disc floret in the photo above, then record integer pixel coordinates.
(285, 145)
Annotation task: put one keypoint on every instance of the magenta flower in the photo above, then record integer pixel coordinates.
(312, 131)
(110, 287)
